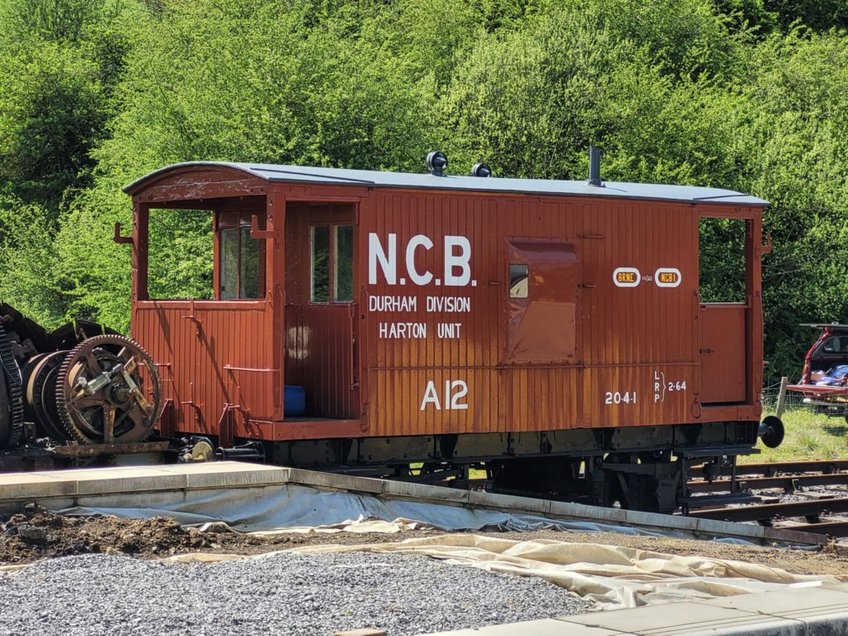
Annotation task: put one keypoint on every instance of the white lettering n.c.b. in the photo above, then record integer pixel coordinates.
(414, 275)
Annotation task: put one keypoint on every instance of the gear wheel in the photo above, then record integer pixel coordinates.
(100, 391)
(40, 375)
(14, 392)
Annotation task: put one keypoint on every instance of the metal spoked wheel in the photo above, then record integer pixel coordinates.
(100, 391)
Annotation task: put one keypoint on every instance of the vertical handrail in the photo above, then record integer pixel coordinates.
(354, 381)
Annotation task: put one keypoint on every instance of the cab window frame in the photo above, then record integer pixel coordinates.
(233, 231)
(331, 275)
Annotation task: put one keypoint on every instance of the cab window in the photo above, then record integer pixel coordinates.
(331, 279)
(241, 263)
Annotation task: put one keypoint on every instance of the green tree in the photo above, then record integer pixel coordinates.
(570, 78)
(29, 261)
(98, 93)
(49, 20)
(820, 15)
(51, 113)
(748, 15)
(59, 63)
(796, 156)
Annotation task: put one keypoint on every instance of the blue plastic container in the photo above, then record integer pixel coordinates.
(294, 401)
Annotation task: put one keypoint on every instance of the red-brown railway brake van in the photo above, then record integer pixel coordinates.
(418, 324)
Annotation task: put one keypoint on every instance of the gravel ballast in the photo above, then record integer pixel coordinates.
(298, 594)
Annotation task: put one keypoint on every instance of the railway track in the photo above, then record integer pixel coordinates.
(810, 496)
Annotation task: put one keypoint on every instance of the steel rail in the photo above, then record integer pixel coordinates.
(832, 528)
(778, 468)
(767, 512)
(789, 483)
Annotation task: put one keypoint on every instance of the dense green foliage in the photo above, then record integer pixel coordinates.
(745, 94)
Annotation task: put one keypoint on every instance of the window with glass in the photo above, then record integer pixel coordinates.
(320, 264)
(836, 344)
(241, 272)
(331, 264)
(518, 280)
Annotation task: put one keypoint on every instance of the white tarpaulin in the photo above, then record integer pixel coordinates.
(614, 577)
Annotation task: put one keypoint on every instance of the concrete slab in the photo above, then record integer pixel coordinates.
(583, 511)
(549, 627)
(335, 481)
(725, 528)
(230, 466)
(109, 473)
(795, 611)
(409, 490)
(811, 605)
(129, 479)
(509, 502)
(23, 485)
(178, 479)
(92, 482)
(673, 522)
(675, 619)
(238, 476)
(794, 536)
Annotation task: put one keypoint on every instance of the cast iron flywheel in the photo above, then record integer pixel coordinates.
(101, 394)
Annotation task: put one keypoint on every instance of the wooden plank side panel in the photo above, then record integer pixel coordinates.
(195, 344)
(423, 332)
(626, 335)
(655, 394)
(537, 399)
(541, 398)
(427, 311)
(644, 323)
(632, 333)
(723, 353)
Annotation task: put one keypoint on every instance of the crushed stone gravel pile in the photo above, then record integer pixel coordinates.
(276, 593)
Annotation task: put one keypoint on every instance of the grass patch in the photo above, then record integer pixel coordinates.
(808, 436)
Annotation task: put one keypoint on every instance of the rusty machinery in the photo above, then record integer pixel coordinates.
(80, 386)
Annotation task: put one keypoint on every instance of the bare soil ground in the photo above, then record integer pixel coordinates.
(36, 534)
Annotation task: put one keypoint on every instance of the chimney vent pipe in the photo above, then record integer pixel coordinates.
(595, 166)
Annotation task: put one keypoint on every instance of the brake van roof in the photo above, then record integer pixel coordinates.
(373, 178)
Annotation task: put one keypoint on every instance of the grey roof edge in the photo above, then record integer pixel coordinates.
(496, 185)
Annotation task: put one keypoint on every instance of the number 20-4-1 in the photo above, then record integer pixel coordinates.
(619, 397)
